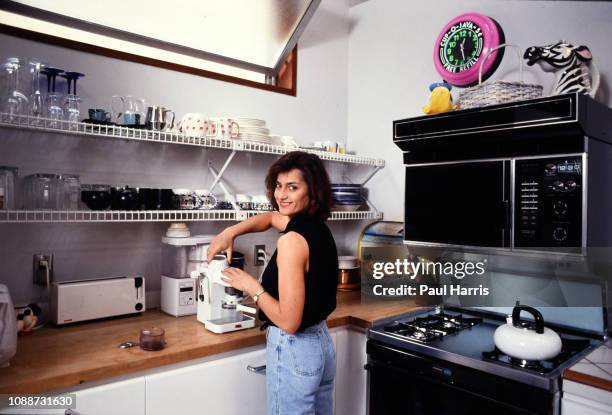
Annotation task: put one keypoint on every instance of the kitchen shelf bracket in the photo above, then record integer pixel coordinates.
(218, 177)
(228, 196)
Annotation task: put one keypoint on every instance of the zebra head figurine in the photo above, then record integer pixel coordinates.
(571, 64)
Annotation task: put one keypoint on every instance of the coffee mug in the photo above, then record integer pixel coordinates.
(99, 114)
(204, 199)
(223, 128)
(288, 141)
(157, 118)
(194, 124)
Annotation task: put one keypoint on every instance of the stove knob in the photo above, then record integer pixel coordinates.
(560, 208)
(570, 185)
(550, 168)
(560, 234)
(558, 186)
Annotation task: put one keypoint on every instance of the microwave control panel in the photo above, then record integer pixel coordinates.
(548, 202)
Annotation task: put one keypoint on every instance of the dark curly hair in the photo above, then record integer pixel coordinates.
(315, 176)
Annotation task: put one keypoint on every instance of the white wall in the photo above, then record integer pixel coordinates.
(391, 66)
(318, 112)
(384, 46)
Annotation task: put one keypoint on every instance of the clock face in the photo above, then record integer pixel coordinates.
(461, 47)
(463, 44)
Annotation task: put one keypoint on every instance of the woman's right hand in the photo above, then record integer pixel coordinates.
(222, 242)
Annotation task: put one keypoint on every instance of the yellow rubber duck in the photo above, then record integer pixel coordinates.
(440, 99)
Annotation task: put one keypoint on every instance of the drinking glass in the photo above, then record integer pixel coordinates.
(71, 110)
(54, 110)
(53, 102)
(8, 176)
(71, 191)
(43, 191)
(36, 98)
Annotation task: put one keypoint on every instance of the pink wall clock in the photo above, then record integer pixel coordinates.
(461, 46)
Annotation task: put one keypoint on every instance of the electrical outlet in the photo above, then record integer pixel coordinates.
(259, 255)
(43, 269)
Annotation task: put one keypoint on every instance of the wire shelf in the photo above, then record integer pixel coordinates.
(60, 216)
(357, 215)
(118, 132)
(106, 216)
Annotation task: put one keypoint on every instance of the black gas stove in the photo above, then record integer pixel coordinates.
(451, 353)
(432, 326)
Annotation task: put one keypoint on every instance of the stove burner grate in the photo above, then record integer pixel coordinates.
(568, 349)
(432, 326)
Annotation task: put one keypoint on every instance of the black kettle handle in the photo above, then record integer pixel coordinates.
(539, 320)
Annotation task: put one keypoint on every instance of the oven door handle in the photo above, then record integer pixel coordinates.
(505, 221)
(505, 212)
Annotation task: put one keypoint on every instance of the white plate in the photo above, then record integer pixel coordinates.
(255, 130)
(253, 122)
(257, 140)
(254, 137)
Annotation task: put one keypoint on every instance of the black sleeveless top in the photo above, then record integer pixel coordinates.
(320, 281)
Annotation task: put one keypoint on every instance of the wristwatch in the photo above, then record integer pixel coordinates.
(256, 296)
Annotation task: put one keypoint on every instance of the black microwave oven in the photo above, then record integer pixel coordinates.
(533, 175)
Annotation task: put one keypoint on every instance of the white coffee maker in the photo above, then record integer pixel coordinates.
(182, 259)
(218, 302)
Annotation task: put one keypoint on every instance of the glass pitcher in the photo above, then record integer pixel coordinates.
(15, 102)
(127, 110)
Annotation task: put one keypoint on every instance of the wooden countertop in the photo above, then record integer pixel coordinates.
(595, 369)
(59, 357)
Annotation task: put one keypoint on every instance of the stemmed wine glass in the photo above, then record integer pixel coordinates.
(36, 97)
(72, 100)
(54, 109)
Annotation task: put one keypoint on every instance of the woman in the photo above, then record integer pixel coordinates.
(298, 289)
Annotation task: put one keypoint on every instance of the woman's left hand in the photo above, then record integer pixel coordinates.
(241, 280)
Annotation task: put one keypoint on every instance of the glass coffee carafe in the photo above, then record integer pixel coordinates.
(127, 110)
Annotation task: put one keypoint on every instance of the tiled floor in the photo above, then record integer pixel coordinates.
(598, 363)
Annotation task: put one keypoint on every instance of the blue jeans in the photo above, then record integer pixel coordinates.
(300, 371)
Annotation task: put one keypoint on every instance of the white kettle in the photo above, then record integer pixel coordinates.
(8, 327)
(527, 340)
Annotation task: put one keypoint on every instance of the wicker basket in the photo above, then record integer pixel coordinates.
(498, 92)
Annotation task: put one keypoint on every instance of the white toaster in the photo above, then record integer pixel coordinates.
(73, 301)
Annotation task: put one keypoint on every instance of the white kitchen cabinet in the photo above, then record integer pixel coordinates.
(579, 399)
(221, 387)
(351, 377)
(126, 397)
(119, 398)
